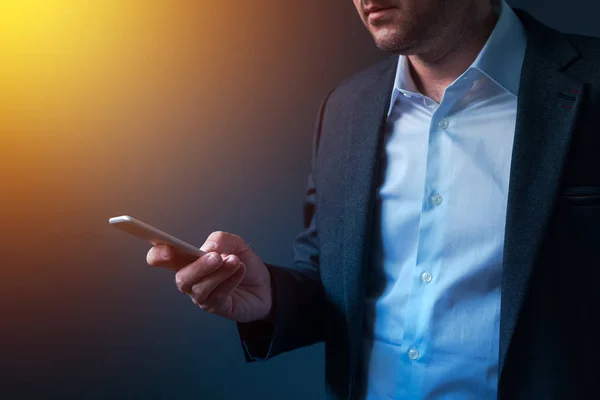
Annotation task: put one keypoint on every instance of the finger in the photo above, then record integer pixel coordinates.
(202, 289)
(187, 276)
(226, 243)
(218, 298)
(164, 256)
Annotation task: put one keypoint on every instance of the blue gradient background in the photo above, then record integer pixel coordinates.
(197, 117)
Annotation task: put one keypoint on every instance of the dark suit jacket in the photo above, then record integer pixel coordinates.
(550, 307)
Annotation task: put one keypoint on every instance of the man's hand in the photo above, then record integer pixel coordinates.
(230, 280)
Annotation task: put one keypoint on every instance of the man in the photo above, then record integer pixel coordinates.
(451, 248)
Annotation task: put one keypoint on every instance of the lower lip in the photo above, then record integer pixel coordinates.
(375, 15)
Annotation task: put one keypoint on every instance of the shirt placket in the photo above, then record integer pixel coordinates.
(430, 240)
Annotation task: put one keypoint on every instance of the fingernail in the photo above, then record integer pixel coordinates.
(208, 246)
(165, 254)
(213, 260)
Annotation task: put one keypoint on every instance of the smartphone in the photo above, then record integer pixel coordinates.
(155, 236)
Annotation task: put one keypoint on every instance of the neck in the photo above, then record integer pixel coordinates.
(433, 71)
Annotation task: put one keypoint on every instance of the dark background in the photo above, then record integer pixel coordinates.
(226, 148)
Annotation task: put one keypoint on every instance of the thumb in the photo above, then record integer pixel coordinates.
(164, 256)
(225, 243)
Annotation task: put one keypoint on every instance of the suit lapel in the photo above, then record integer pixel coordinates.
(546, 114)
(360, 184)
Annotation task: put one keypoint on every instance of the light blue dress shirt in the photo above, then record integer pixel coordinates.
(433, 297)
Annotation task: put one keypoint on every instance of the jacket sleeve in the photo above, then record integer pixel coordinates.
(299, 304)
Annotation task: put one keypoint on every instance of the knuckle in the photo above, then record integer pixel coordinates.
(219, 236)
(229, 265)
(208, 263)
(179, 282)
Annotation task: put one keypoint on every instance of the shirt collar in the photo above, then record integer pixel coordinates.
(502, 56)
(500, 59)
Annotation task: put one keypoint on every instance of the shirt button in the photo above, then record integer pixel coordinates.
(426, 277)
(436, 199)
(413, 354)
(444, 124)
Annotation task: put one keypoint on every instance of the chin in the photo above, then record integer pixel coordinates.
(390, 41)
